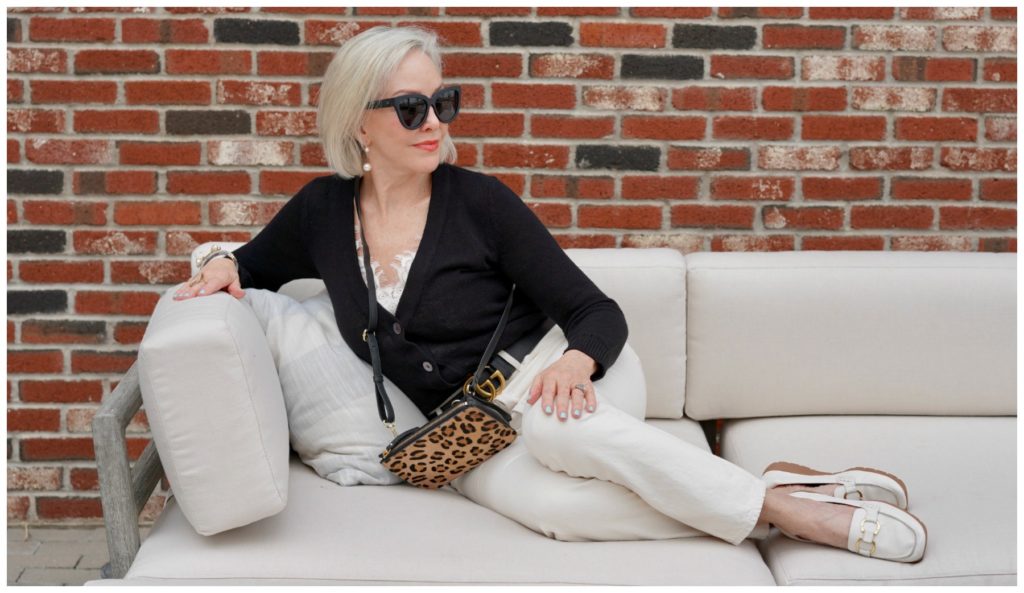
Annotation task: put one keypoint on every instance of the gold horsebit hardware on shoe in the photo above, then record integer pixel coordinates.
(878, 527)
(489, 389)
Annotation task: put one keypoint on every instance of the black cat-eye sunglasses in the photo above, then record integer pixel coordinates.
(412, 108)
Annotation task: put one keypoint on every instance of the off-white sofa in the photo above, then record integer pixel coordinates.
(904, 361)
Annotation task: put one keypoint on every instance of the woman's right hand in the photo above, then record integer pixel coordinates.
(217, 275)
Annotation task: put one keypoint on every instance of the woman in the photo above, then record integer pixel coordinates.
(448, 243)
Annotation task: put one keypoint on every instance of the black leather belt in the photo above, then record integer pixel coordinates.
(501, 369)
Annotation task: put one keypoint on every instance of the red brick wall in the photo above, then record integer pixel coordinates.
(133, 135)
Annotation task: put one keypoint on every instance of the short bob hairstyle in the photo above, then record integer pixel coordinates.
(356, 76)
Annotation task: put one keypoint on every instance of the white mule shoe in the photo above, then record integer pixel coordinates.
(855, 483)
(878, 530)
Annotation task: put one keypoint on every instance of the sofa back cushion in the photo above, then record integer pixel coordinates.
(650, 287)
(812, 332)
(213, 400)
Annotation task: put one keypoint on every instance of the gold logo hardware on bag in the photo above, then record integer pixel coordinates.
(468, 431)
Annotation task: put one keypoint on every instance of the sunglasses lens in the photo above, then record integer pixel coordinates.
(411, 111)
(447, 105)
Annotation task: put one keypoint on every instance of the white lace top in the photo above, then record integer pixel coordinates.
(388, 295)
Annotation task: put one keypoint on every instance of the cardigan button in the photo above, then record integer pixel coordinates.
(427, 366)
(397, 328)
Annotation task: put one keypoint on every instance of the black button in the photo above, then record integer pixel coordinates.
(397, 327)
(427, 366)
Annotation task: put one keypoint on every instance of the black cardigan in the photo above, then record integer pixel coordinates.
(479, 238)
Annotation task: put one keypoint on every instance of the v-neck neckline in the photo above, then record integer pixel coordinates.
(422, 259)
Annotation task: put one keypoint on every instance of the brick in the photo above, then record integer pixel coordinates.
(584, 241)
(655, 187)
(958, 158)
(208, 183)
(981, 39)
(487, 12)
(393, 11)
(835, 127)
(784, 98)
(84, 478)
(72, 92)
(102, 362)
(63, 331)
(159, 153)
(759, 13)
(801, 37)
(534, 156)
(335, 33)
(34, 478)
(572, 66)
(60, 391)
(32, 420)
(1003, 13)
(12, 212)
(21, 241)
(16, 90)
(558, 126)
(120, 121)
(1000, 70)
(115, 242)
(936, 128)
(834, 13)
(69, 152)
(30, 60)
(60, 271)
(13, 30)
(669, 13)
(842, 243)
(34, 181)
(619, 217)
(748, 243)
(894, 98)
(720, 217)
(246, 92)
(806, 218)
(977, 218)
(668, 67)
(884, 158)
(922, 69)
(683, 243)
(183, 242)
(930, 188)
(854, 68)
(621, 98)
(167, 92)
(713, 37)
(285, 182)
(891, 217)
(275, 63)
(65, 212)
(664, 128)
(553, 215)
(940, 14)
(987, 100)
(515, 181)
(191, 10)
(157, 213)
(577, 11)
(17, 508)
(201, 61)
(753, 67)
(622, 35)
(1003, 190)
(696, 98)
(213, 122)
(1001, 129)
(149, 272)
(799, 158)
(35, 121)
(543, 96)
(286, 123)
(894, 37)
(709, 158)
(841, 188)
(114, 182)
(998, 244)
(164, 31)
(104, 61)
(34, 361)
(129, 332)
(83, 30)
(752, 188)
(115, 302)
(752, 128)
(13, 153)
(572, 186)
(513, 33)
(621, 158)
(454, 34)
(52, 507)
(932, 243)
(80, 420)
(252, 31)
(243, 213)
(21, 302)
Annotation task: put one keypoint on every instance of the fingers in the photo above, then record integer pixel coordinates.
(578, 400)
(591, 397)
(562, 398)
(548, 394)
(203, 283)
(235, 289)
(535, 390)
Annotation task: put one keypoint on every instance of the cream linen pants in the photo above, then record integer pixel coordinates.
(608, 475)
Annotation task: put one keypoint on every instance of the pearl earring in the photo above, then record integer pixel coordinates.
(367, 167)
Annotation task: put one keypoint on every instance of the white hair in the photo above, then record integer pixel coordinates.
(355, 77)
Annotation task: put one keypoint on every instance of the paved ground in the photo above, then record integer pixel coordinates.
(56, 555)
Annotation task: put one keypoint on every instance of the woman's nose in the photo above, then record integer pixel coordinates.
(432, 121)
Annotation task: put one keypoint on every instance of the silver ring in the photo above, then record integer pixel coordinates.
(581, 387)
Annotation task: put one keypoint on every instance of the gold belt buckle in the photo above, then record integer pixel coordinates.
(489, 389)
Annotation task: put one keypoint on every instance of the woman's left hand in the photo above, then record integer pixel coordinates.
(558, 386)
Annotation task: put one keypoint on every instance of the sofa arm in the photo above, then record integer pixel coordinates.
(123, 490)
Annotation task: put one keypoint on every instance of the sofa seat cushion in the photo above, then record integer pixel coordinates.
(961, 479)
(330, 534)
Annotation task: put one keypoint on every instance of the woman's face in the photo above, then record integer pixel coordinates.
(393, 148)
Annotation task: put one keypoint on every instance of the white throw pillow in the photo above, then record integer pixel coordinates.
(215, 410)
(328, 390)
